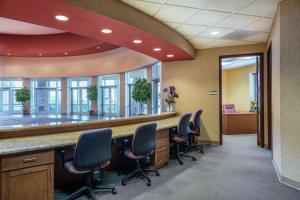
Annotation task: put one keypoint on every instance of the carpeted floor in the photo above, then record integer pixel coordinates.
(238, 170)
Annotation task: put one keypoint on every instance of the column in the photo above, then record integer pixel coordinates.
(64, 94)
(122, 94)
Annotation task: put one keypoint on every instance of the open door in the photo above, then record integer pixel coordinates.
(260, 101)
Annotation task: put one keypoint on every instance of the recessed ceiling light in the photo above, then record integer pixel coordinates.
(170, 55)
(61, 18)
(8, 54)
(40, 54)
(215, 33)
(137, 41)
(98, 47)
(156, 49)
(66, 53)
(105, 30)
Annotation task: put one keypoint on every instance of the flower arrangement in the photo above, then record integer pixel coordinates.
(171, 97)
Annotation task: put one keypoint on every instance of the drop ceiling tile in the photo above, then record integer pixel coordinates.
(260, 8)
(236, 21)
(188, 3)
(191, 30)
(227, 5)
(222, 32)
(200, 41)
(258, 37)
(144, 6)
(263, 25)
(207, 18)
(174, 13)
(172, 24)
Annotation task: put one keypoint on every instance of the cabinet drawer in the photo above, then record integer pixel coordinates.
(27, 160)
(162, 134)
(160, 142)
(161, 156)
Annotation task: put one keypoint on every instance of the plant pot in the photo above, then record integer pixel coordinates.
(25, 112)
(91, 112)
(170, 108)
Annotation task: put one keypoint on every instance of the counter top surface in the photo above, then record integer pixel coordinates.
(240, 113)
(36, 143)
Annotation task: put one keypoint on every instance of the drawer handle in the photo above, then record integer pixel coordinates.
(28, 160)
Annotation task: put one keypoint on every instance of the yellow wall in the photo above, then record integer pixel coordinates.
(195, 78)
(235, 87)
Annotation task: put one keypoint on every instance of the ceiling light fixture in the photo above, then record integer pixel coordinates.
(40, 54)
(137, 41)
(106, 31)
(66, 53)
(61, 18)
(98, 47)
(157, 49)
(215, 33)
(170, 55)
(8, 54)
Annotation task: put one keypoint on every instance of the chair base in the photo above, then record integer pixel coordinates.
(179, 155)
(194, 147)
(140, 173)
(85, 190)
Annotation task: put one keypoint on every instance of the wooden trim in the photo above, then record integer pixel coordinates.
(261, 56)
(69, 127)
(269, 86)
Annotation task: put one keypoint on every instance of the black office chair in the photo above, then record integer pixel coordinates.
(92, 152)
(195, 131)
(143, 146)
(181, 138)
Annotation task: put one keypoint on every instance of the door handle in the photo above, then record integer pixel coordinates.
(28, 160)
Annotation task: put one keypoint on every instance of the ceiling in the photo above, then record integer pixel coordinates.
(234, 22)
(15, 27)
(238, 62)
(39, 15)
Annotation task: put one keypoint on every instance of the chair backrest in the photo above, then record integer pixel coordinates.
(229, 108)
(93, 149)
(144, 139)
(184, 124)
(197, 119)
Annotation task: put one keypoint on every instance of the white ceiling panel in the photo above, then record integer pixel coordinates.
(145, 6)
(207, 18)
(174, 13)
(191, 30)
(197, 19)
(188, 3)
(227, 5)
(263, 24)
(237, 21)
(260, 8)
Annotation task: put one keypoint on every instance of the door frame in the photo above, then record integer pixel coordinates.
(79, 93)
(109, 87)
(260, 93)
(269, 95)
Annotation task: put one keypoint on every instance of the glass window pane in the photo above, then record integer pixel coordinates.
(52, 97)
(5, 83)
(83, 83)
(52, 84)
(74, 84)
(17, 84)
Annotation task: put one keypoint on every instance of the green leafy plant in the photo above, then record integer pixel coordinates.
(92, 93)
(22, 96)
(142, 92)
(253, 106)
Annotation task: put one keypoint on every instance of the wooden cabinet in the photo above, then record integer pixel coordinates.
(27, 177)
(162, 150)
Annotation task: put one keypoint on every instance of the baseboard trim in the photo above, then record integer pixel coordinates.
(285, 180)
(208, 142)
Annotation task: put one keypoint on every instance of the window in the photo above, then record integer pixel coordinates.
(132, 107)
(8, 88)
(45, 96)
(109, 95)
(253, 86)
(78, 102)
(156, 88)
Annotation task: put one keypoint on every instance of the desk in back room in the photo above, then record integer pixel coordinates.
(239, 123)
(27, 163)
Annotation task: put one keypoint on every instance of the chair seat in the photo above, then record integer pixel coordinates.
(69, 166)
(179, 138)
(129, 154)
(195, 133)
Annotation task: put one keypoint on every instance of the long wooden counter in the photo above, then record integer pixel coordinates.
(239, 123)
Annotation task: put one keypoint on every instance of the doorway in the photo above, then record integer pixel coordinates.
(241, 95)
(109, 101)
(80, 102)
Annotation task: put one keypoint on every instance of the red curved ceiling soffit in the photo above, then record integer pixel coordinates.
(52, 45)
(86, 24)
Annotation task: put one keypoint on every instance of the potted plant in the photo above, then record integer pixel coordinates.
(92, 93)
(170, 97)
(22, 96)
(141, 92)
(253, 106)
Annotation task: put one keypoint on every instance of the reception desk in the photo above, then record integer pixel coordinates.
(28, 162)
(239, 123)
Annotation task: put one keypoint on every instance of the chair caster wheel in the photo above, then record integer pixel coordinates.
(180, 162)
(114, 191)
(149, 184)
(123, 183)
(157, 174)
(194, 159)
